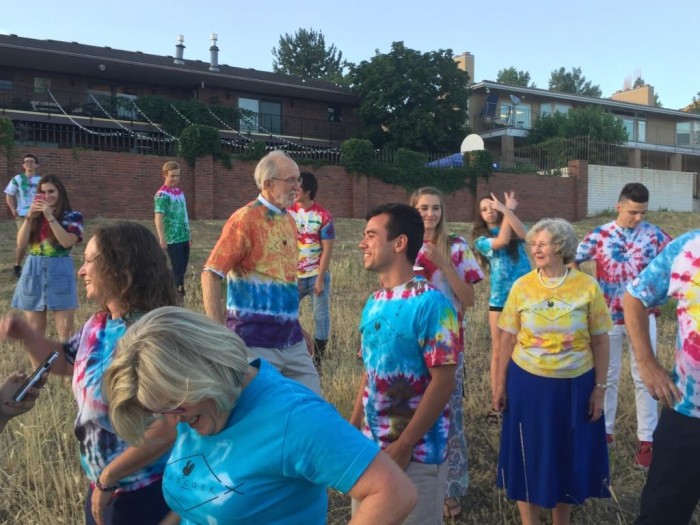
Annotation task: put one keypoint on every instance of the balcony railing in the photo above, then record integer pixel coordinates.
(118, 111)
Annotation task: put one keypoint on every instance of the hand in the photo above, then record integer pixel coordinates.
(658, 382)
(99, 501)
(436, 257)
(595, 403)
(400, 453)
(499, 402)
(319, 285)
(497, 205)
(163, 244)
(10, 408)
(510, 200)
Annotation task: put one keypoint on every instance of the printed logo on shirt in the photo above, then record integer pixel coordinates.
(552, 309)
(195, 483)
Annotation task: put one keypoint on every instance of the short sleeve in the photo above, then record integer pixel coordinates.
(483, 246)
(72, 222)
(465, 263)
(651, 286)
(233, 244)
(327, 232)
(12, 188)
(322, 447)
(586, 248)
(439, 331)
(161, 202)
(509, 320)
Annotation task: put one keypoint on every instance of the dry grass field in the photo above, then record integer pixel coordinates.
(41, 481)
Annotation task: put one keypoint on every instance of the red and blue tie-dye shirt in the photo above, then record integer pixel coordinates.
(257, 253)
(314, 224)
(620, 254)
(91, 351)
(405, 331)
(675, 273)
(72, 222)
(465, 265)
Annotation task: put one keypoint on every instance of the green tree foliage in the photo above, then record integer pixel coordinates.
(7, 137)
(197, 141)
(590, 121)
(573, 82)
(514, 77)
(412, 100)
(305, 54)
(695, 105)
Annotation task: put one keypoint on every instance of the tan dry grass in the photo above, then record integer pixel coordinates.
(41, 481)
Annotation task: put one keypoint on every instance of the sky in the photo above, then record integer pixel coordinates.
(612, 41)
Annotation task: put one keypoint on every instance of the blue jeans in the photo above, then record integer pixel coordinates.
(320, 304)
(179, 254)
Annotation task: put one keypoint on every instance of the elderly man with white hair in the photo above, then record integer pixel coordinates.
(257, 254)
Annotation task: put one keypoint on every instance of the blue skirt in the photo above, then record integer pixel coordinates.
(550, 451)
(47, 283)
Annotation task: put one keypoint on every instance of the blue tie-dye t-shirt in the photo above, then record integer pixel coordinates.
(405, 331)
(675, 273)
(91, 351)
(505, 270)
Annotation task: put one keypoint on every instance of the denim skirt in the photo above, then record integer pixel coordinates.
(47, 283)
(550, 451)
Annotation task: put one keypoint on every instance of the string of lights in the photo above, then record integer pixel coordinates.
(76, 123)
(161, 130)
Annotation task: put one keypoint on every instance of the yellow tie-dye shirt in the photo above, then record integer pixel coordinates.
(554, 325)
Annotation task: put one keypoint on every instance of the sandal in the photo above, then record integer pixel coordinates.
(452, 508)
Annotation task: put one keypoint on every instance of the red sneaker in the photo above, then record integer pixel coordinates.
(642, 458)
(609, 439)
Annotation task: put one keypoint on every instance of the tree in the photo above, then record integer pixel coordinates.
(695, 105)
(305, 55)
(573, 82)
(591, 121)
(514, 77)
(412, 100)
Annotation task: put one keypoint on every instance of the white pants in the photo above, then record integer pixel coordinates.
(647, 415)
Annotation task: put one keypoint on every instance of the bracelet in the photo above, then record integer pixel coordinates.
(110, 488)
(601, 385)
(54, 220)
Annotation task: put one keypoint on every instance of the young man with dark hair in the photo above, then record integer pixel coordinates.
(19, 195)
(410, 347)
(622, 249)
(315, 238)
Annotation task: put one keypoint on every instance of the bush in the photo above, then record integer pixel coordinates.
(254, 151)
(197, 141)
(7, 136)
(357, 156)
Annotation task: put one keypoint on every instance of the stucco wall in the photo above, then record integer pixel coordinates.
(671, 190)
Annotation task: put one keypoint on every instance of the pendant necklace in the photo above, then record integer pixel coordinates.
(555, 285)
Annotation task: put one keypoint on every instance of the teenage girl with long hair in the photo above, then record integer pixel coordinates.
(47, 283)
(448, 263)
(499, 243)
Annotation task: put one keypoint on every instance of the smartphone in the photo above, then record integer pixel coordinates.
(36, 376)
(40, 196)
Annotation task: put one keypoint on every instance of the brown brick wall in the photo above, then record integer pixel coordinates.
(122, 185)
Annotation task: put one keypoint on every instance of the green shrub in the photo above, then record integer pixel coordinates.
(254, 151)
(7, 136)
(197, 141)
(357, 156)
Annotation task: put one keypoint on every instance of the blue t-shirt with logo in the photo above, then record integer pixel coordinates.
(280, 449)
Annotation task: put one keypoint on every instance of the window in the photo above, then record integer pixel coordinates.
(683, 133)
(516, 115)
(258, 116)
(41, 84)
(6, 85)
(636, 129)
(335, 113)
(549, 109)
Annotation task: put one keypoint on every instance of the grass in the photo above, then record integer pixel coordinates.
(41, 480)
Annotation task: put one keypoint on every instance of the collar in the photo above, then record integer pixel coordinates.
(270, 206)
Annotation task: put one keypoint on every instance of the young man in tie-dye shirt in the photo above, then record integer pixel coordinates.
(621, 249)
(257, 254)
(173, 225)
(672, 489)
(410, 347)
(315, 238)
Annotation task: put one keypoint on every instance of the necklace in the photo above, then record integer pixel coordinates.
(556, 285)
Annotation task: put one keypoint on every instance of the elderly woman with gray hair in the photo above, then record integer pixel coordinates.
(252, 446)
(551, 380)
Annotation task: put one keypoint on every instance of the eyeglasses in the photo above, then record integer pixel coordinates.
(173, 411)
(291, 180)
(539, 244)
